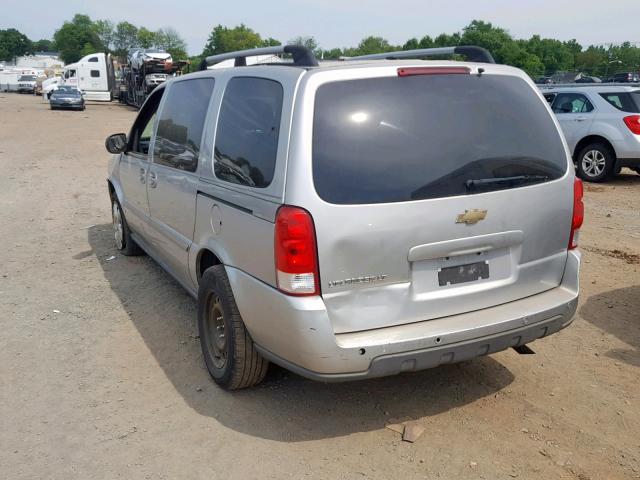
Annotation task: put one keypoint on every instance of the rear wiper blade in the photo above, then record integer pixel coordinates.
(519, 179)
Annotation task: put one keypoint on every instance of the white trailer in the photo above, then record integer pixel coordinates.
(93, 74)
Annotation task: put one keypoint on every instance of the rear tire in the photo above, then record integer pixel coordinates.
(596, 162)
(122, 234)
(227, 347)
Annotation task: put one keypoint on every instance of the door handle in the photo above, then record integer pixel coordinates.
(581, 119)
(142, 175)
(153, 180)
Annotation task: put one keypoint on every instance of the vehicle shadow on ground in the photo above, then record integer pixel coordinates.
(625, 178)
(285, 407)
(617, 312)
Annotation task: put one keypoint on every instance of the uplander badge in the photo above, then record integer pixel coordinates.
(356, 280)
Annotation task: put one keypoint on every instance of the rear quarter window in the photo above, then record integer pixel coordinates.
(399, 139)
(246, 142)
(624, 101)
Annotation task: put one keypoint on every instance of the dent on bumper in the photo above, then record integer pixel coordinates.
(295, 332)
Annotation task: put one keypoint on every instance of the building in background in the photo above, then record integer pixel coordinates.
(40, 61)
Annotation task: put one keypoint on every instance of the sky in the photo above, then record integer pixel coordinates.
(341, 23)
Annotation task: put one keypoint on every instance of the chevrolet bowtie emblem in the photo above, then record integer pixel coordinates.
(471, 217)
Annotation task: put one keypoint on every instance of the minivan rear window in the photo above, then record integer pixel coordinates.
(396, 139)
(624, 101)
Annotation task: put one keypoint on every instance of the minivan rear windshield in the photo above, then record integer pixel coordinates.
(396, 139)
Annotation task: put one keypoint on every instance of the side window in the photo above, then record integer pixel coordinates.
(181, 124)
(93, 59)
(95, 73)
(549, 97)
(140, 136)
(248, 130)
(571, 103)
(622, 101)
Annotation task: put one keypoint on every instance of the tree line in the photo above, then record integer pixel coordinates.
(537, 56)
(82, 36)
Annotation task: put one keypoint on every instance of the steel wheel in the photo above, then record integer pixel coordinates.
(216, 333)
(118, 227)
(593, 163)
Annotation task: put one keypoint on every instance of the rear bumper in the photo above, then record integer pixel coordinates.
(295, 332)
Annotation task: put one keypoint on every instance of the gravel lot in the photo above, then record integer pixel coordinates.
(101, 374)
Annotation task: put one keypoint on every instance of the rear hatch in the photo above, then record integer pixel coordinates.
(435, 194)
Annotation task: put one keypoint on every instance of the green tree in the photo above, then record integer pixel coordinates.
(73, 36)
(411, 44)
(594, 61)
(105, 31)
(14, 44)
(484, 34)
(146, 38)
(332, 54)
(270, 42)
(309, 42)
(43, 45)
(369, 45)
(554, 54)
(88, 49)
(426, 42)
(444, 40)
(170, 41)
(223, 39)
(125, 38)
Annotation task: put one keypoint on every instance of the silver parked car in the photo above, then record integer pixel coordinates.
(354, 219)
(601, 124)
(66, 97)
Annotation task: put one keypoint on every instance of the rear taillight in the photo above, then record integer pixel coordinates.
(578, 214)
(633, 123)
(295, 252)
(410, 71)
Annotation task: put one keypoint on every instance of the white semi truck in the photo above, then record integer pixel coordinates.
(93, 75)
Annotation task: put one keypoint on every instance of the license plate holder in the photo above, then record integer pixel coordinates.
(469, 272)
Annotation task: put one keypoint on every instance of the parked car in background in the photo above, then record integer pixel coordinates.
(601, 124)
(27, 84)
(543, 81)
(624, 77)
(588, 79)
(398, 196)
(66, 97)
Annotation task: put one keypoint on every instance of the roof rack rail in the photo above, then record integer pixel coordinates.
(302, 56)
(473, 53)
(543, 86)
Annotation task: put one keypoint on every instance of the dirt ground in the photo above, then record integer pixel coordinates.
(101, 374)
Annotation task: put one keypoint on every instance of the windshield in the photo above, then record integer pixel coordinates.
(66, 91)
(27, 78)
(396, 139)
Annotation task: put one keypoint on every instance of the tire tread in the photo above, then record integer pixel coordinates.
(248, 367)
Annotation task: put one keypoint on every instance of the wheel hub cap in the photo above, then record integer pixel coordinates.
(593, 163)
(217, 339)
(118, 229)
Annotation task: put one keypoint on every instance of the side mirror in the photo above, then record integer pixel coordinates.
(116, 143)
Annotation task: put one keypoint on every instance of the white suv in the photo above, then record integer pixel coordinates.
(601, 124)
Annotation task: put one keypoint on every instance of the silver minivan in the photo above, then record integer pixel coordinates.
(356, 218)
